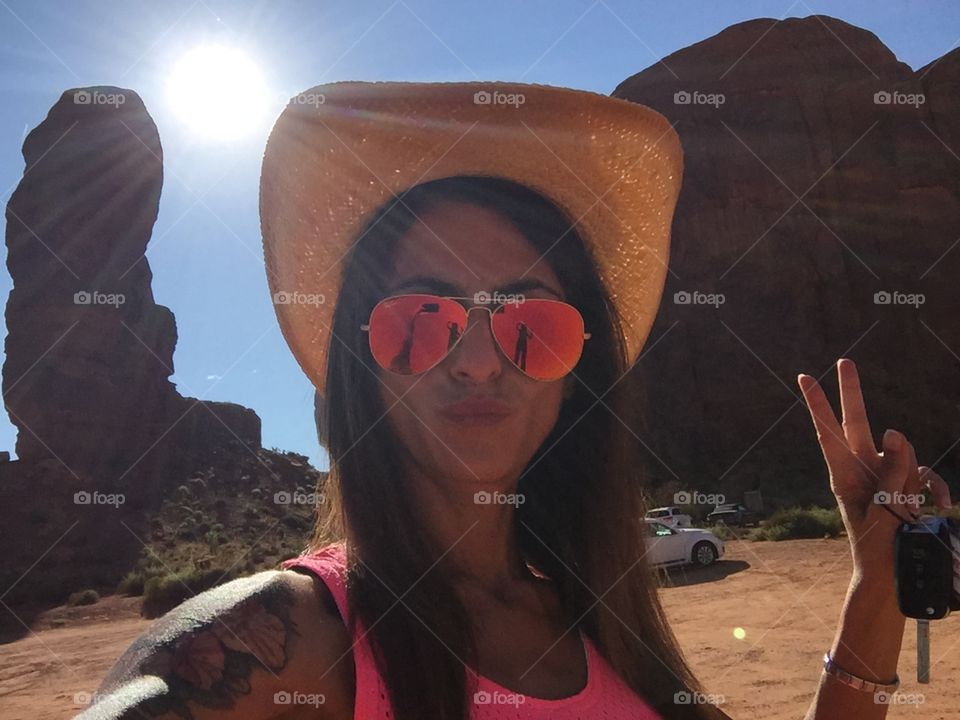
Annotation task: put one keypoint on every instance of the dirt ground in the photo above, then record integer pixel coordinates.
(785, 597)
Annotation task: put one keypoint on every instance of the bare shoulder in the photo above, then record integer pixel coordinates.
(263, 646)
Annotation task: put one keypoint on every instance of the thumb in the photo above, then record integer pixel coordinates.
(894, 466)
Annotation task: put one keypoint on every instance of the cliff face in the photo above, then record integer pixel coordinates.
(88, 350)
(819, 171)
(89, 354)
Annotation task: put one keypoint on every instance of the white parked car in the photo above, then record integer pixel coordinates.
(679, 546)
(670, 516)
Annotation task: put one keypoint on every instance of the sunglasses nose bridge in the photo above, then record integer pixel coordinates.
(488, 321)
(478, 307)
(471, 328)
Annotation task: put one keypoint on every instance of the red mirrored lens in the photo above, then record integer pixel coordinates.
(544, 338)
(409, 334)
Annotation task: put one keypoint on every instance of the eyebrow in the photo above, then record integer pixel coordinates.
(442, 287)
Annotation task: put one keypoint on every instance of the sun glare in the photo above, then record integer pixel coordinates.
(218, 92)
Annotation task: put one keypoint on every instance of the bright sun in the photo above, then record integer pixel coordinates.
(218, 91)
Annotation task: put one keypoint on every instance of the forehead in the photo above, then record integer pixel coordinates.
(468, 246)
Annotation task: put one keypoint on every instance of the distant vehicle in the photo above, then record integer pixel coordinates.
(670, 516)
(680, 546)
(733, 514)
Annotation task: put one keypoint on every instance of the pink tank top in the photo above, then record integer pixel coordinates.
(605, 696)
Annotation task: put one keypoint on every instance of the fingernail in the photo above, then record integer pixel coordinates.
(892, 440)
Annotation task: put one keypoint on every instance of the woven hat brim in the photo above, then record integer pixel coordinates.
(340, 151)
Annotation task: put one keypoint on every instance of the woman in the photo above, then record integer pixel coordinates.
(479, 553)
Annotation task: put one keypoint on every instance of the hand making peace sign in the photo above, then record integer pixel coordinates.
(858, 472)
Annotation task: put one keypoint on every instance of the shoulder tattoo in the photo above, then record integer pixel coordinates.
(207, 649)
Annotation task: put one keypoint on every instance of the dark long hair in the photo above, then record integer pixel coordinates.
(580, 523)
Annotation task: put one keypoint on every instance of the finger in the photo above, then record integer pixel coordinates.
(855, 424)
(829, 433)
(892, 474)
(895, 464)
(939, 490)
(912, 487)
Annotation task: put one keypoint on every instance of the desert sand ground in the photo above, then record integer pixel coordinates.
(785, 597)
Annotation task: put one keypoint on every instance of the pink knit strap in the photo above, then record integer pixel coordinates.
(330, 564)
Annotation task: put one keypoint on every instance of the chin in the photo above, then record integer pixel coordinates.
(478, 468)
(489, 462)
(482, 473)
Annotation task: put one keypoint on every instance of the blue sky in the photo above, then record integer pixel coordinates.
(205, 254)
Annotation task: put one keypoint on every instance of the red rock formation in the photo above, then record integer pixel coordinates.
(88, 351)
(803, 196)
(89, 354)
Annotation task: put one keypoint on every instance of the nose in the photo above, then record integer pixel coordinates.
(476, 358)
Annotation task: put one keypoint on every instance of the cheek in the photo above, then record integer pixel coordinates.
(541, 409)
(403, 416)
(392, 388)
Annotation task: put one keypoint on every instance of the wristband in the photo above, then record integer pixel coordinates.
(858, 683)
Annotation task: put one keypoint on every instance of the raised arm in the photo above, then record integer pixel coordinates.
(870, 631)
(266, 646)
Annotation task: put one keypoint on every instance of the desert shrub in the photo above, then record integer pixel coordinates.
(164, 593)
(132, 583)
(83, 597)
(794, 523)
(724, 532)
(213, 538)
(774, 533)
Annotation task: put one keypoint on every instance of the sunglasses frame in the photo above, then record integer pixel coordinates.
(491, 307)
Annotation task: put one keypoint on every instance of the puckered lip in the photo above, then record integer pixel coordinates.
(477, 408)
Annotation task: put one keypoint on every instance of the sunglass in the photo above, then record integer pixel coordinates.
(410, 334)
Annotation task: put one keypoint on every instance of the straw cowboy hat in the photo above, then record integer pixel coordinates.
(339, 151)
